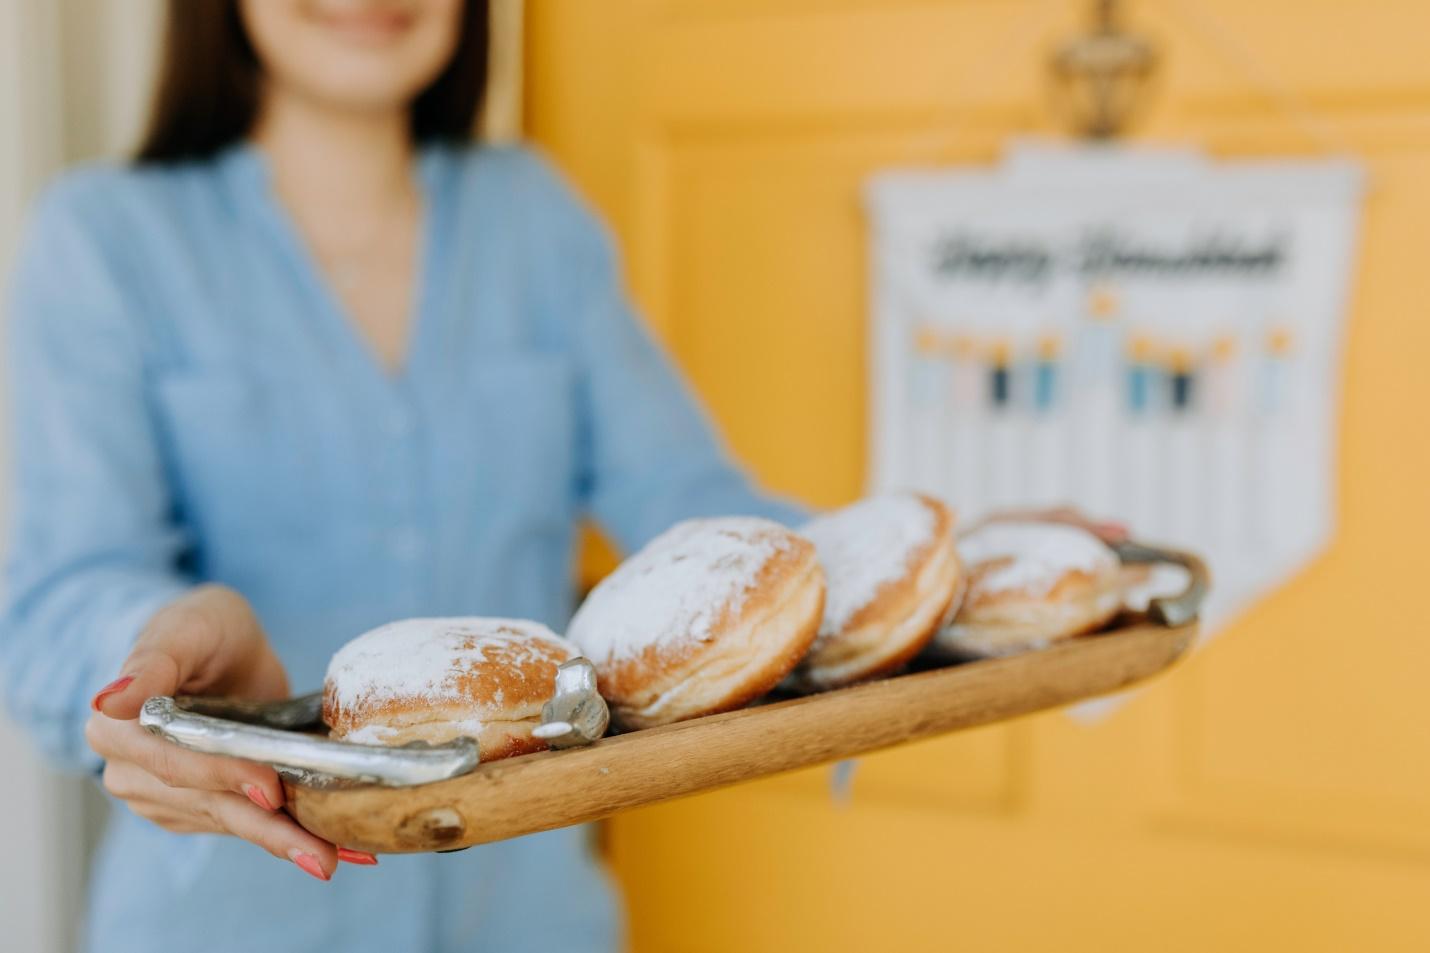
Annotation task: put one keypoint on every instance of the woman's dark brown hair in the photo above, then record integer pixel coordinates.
(209, 82)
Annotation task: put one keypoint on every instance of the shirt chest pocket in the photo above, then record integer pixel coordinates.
(521, 451)
(248, 456)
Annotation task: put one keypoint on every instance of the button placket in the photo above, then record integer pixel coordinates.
(402, 537)
(397, 423)
(405, 542)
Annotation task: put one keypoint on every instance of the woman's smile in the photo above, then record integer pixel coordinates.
(364, 23)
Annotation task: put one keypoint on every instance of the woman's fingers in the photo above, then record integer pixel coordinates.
(278, 834)
(192, 811)
(146, 673)
(206, 641)
(177, 642)
(1111, 532)
(175, 767)
(1108, 531)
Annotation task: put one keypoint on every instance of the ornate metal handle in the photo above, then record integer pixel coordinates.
(577, 714)
(1184, 606)
(280, 734)
(310, 760)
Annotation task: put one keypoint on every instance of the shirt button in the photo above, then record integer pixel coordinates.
(406, 543)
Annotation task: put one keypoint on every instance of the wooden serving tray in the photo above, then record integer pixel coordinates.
(553, 789)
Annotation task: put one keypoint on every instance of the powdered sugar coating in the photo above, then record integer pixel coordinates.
(865, 545)
(1038, 554)
(425, 658)
(370, 735)
(677, 587)
(376, 734)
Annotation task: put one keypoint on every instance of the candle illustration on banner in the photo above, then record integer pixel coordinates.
(1045, 373)
(1046, 444)
(1142, 468)
(1003, 478)
(1223, 420)
(928, 389)
(1141, 375)
(944, 484)
(1274, 441)
(1183, 501)
(1000, 375)
(1183, 381)
(966, 438)
(1098, 361)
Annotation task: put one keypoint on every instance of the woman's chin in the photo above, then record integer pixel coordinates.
(358, 96)
(361, 57)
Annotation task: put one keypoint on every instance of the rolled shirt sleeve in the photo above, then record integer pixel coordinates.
(93, 546)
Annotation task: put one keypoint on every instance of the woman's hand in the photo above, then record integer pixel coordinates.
(1108, 532)
(206, 643)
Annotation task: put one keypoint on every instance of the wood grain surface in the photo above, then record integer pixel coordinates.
(557, 788)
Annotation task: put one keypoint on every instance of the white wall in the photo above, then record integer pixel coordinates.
(37, 812)
(73, 82)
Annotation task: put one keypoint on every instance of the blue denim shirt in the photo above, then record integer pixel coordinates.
(191, 404)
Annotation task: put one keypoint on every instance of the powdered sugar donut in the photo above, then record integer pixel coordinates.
(1030, 584)
(892, 576)
(437, 679)
(709, 615)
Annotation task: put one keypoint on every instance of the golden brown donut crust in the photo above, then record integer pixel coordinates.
(901, 619)
(751, 649)
(1001, 622)
(500, 696)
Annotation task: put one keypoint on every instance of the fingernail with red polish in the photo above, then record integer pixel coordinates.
(308, 863)
(118, 685)
(360, 857)
(256, 795)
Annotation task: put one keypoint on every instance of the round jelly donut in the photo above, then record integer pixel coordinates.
(708, 616)
(893, 577)
(434, 680)
(1030, 584)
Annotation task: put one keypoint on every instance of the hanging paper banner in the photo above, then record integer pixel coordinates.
(1149, 335)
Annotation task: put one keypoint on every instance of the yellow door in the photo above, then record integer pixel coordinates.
(1272, 794)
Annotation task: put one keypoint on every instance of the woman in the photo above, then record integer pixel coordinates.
(313, 363)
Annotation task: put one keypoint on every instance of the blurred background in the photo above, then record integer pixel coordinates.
(1271, 793)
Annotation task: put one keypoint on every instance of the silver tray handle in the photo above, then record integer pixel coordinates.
(311, 760)
(1179, 608)
(577, 714)
(285, 735)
